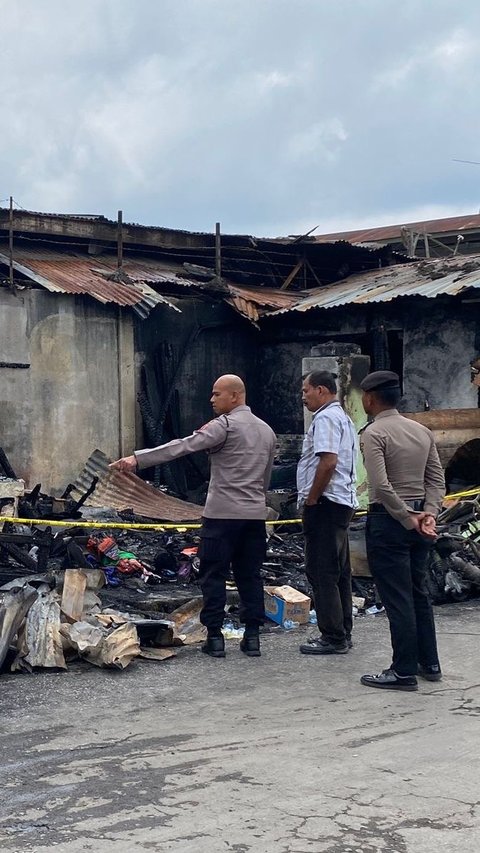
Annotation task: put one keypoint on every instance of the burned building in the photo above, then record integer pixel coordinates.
(112, 333)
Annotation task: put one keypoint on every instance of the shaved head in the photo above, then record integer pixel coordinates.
(228, 392)
(231, 382)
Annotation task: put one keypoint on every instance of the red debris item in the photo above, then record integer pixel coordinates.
(92, 545)
(190, 552)
(106, 544)
(128, 566)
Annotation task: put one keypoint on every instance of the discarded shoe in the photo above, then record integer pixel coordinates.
(250, 645)
(319, 646)
(430, 673)
(389, 680)
(214, 646)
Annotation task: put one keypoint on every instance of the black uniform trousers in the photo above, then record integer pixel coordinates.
(240, 545)
(327, 565)
(398, 561)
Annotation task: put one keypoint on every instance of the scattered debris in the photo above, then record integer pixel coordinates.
(454, 571)
(108, 596)
(285, 604)
(14, 606)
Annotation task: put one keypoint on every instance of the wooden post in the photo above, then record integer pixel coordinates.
(119, 240)
(298, 266)
(10, 241)
(218, 253)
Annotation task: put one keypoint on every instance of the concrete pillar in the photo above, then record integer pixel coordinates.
(126, 383)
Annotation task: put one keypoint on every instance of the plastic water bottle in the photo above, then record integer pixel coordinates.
(289, 624)
(312, 617)
(373, 611)
(230, 632)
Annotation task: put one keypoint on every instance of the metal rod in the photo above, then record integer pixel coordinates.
(427, 246)
(10, 241)
(119, 240)
(218, 252)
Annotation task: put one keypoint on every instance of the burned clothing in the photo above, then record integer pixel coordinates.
(241, 448)
(402, 465)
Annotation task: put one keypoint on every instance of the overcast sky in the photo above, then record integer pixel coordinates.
(271, 116)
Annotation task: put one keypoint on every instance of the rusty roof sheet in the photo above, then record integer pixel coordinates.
(97, 276)
(449, 276)
(452, 224)
(66, 272)
(122, 491)
(253, 302)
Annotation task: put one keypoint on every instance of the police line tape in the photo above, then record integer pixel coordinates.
(162, 528)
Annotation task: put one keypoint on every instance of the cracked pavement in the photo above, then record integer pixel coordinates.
(285, 753)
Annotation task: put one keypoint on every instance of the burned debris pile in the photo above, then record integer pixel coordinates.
(93, 585)
(454, 571)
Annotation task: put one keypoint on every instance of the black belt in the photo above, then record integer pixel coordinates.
(417, 505)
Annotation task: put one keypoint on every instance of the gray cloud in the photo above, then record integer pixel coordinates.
(270, 115)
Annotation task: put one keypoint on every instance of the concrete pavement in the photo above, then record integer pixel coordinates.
(281, 754)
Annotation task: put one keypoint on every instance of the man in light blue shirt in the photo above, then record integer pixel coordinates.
(327, 498)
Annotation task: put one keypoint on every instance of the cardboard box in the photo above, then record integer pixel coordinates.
(285, 602)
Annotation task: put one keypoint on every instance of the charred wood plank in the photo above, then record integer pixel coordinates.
(5, 464)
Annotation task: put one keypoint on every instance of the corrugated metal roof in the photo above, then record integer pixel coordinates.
(449, 276)
(454, 224)
(252, 302)
(97, 275)
(66, 272)
(127, 491)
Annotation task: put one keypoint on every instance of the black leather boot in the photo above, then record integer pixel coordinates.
(250, 645)
(214, 646)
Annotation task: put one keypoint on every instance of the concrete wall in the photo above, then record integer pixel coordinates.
(67, 403)
(440, 337)
(439, 343)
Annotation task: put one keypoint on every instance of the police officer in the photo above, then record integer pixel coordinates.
(241, 449)
(406, 488)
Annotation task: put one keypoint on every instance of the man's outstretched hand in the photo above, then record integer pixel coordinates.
(126, 464)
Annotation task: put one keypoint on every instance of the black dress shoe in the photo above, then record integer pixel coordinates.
(250, 645)
(214, 646)
(389, 680)
(430, 673)
(319, 646)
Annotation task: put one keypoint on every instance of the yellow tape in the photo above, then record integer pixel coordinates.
(112, 525)
(468, 494)
(117, 525)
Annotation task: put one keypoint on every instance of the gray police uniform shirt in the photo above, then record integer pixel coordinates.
(331, 431)
(241, 449)
(402, 464)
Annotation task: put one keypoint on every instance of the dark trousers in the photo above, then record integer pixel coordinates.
(327, 564)
(398, 561)
(240, 545)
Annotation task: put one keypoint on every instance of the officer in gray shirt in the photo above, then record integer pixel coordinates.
(241, 449)
(406, 486)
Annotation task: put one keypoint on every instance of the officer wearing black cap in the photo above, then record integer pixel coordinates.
(406, 487)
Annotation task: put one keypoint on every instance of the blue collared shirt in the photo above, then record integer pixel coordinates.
(331, 431)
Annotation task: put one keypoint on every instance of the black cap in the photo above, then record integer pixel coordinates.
(380, 379)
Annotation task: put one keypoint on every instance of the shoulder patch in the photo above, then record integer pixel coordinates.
(224, 422)
(362, 429)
